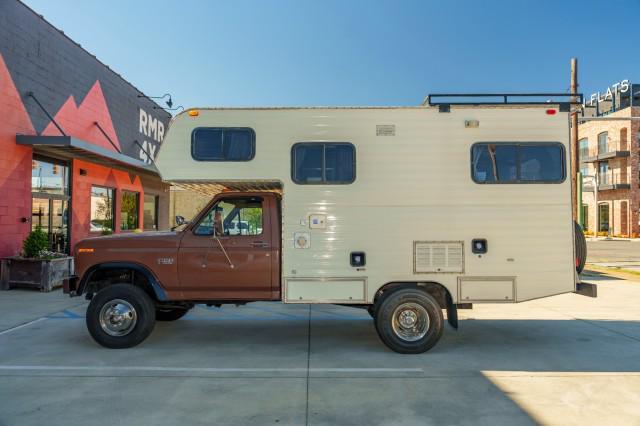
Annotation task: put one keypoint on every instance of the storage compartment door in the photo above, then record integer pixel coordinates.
(486, 289)
(327, 290)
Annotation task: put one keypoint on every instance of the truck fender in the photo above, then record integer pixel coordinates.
(151, 279)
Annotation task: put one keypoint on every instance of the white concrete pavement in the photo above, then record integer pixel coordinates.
(562, 360)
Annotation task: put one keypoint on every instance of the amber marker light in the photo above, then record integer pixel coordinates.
(194, 113)
(85, 250)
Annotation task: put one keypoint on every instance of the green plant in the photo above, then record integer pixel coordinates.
(36, 242)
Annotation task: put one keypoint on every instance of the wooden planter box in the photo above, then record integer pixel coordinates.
(36, 273)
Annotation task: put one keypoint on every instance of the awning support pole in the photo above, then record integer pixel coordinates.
(107, 136)
(144, 150)
(32, 96)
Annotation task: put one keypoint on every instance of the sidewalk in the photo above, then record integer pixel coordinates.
(21, 306)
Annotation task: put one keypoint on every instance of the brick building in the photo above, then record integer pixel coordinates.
(77, 140)
(609, 149)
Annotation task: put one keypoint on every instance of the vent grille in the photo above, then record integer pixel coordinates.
(438, 256)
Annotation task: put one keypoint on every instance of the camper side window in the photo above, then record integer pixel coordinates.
(323, 163)
(223, 144)
(523, 162)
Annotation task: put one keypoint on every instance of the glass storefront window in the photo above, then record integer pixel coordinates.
(150, 212)
(129, 211)
(101, 209)
(49, 177)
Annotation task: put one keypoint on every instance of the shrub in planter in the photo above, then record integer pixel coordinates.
(37, 267)
(36, 242)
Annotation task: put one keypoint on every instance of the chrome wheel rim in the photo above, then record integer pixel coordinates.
(118, 317)
(410, 321)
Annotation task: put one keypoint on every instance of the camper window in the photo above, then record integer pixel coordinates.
(323, 163)
(526, 162)
(223, 144)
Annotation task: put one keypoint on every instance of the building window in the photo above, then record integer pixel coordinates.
(129, 210)
(223, 144)
(603, 218)
(531, 162)
(50, 177)
(603, 145)
(604, 175)
(237, 216)
(102, 209)
(583, 148)
(150, 213)
(584, 170)
(323, 163)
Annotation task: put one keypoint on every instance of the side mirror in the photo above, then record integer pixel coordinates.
(180, 220)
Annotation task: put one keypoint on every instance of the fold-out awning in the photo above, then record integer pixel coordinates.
(69, 147)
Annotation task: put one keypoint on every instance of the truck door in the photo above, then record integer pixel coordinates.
(228, 253)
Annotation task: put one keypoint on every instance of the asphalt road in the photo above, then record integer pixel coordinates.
(613, 251)
(568, 359)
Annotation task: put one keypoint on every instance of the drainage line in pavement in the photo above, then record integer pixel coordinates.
(17, 327)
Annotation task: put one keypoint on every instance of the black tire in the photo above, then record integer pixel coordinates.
(143, 312)
(581, 248)
(170, 314)
(425, 304)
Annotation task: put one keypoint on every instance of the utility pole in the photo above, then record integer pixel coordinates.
(575, 156)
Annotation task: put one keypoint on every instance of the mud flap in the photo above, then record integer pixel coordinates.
(452, 313)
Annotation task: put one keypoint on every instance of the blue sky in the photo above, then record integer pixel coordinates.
(331, 52)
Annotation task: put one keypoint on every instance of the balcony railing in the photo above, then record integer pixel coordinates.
(613, 179)
(612, 149)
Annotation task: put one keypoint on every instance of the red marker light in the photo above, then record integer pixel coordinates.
(551, 111)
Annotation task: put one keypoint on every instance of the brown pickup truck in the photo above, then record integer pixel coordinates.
(133, 280)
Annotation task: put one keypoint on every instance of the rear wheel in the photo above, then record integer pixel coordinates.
(170, 314)
(120, 316)
(409, 321)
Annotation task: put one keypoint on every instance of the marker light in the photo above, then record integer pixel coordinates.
(551, 111)
(85, 250)
(194, 113)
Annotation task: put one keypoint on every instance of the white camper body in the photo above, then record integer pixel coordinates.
(413, 208)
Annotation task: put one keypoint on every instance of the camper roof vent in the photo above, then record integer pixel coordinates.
(438, 257)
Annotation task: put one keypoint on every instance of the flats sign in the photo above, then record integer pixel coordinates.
(613, 90)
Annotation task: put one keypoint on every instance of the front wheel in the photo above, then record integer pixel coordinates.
(120, 316)
(409, 321)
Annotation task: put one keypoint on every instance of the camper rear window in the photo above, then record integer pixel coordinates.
(223, 144)
(323, 163)
(524, 162)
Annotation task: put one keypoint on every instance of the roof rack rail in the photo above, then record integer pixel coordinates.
(504, 99)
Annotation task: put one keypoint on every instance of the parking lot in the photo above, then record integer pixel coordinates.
(562, 360)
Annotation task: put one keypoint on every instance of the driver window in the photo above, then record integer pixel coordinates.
(239, 216)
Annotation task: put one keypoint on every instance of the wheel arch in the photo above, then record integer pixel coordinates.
(145, 278)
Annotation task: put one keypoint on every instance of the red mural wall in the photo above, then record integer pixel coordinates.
(15, 163)
(15, 167)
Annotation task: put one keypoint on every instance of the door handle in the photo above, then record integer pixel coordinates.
(259, 244)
